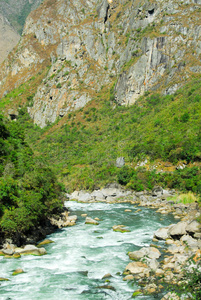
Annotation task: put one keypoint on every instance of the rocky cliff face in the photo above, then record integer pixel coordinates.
(12, 18)
(138, 45)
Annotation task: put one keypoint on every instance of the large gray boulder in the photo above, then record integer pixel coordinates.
(120, 162)
(193, 227)
(136, 267)
(157, 191)
(30, 249)
(178, 229)
(151, 252)
(190, 242)
(162, 233)
(84, 196)
(98, 195)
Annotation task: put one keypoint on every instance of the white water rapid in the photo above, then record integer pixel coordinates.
(81, 255)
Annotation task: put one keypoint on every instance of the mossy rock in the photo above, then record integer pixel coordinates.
(8, 256)
(108, 287)
(45, 242)
(120, 228)
(136, 293)
(16, 255)
(17, 272)
(2, 254)
(108, 275)
(4, 279)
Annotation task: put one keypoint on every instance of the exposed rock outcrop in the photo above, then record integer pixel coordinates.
(144, 46)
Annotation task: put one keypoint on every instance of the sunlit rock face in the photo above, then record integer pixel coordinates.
(134, 47)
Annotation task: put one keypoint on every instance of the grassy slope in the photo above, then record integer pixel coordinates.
(83, 146)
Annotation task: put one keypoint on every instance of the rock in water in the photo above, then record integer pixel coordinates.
(91, 221)
(4, 279)
(17, 271)
(136, 267)
(31, 249)
(120, 228)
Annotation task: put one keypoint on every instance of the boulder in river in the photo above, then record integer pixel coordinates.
(31, 249)
(137, 267)
(171, 296)
(162, 233)
(108, 287)
(64, 221)
(45, 242)
(108, 275)
(91, 221)
(150, 252)
(8, 251)
(193, 227)
(128, 277)
(120, 228)
(17, 271)
(178, 229)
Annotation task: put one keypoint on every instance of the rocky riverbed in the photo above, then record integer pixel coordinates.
(153, 266)
(182, 240)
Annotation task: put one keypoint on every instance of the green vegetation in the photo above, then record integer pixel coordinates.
(83, 150)
(188, 179)
(184, 198)
(29, 191)
(190, 284)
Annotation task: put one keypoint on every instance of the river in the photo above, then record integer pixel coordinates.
(82, 254)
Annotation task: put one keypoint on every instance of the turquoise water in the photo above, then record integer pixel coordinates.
(81, 255)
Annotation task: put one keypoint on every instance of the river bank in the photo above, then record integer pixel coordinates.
(183, 239)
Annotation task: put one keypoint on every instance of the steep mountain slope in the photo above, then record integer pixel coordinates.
(8, 38)
(17, 11)
(12, 18)
(129, 47)
(159, 138)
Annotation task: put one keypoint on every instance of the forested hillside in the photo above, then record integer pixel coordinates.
(29, 192)
(159, 133)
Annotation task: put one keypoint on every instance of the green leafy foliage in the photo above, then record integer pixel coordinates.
(191, 283)
(29, 191)
(188, 179)
(84, 149)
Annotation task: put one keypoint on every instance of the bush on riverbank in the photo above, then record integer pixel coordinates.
(29, 191)
(190, 284)
(188, 179)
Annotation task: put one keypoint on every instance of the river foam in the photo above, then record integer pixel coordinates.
(81, 255)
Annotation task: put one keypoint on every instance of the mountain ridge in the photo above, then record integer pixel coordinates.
(142, 46)
(12, 18)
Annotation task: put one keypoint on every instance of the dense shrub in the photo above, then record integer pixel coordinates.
(29, 191)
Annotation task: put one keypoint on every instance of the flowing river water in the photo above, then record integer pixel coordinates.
(81, 255)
